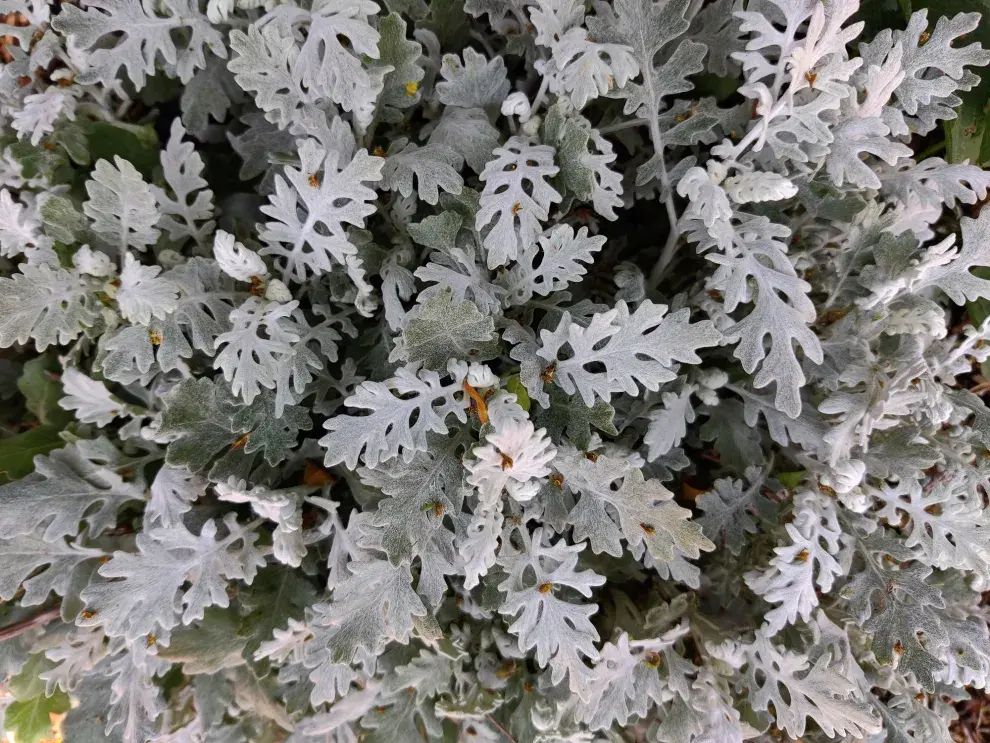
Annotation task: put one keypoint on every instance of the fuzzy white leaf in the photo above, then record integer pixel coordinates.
(635, 348)
(517, 197)
(515, 456)
(90, 400)
(151, 596)
(183, 168)
(561, 254)
(172, 494)
(757, 187)
(473, 83)
(403, 410)
(260, 339)
(235, 260)
(142, 294)
(309, 241)
(121, 205)
(809, 560)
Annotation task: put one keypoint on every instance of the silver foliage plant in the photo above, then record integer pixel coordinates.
(397, 436)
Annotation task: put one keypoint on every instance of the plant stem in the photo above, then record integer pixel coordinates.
(541, 95)
(29, 623)
(658, 147)
(621, 125)
(666, 257)
(480, 38)
(501, 729)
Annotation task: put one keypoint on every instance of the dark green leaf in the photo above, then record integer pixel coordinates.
(449, 22)
(209, 646)
(198, 413)
(40, 162)
(735, 442)
(72, 136)
(40, 385)
(17, 452)
(568, 415)
(277, 595)
(137, 144)
(268, 433)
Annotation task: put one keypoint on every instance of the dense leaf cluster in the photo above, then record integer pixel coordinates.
(501, 370)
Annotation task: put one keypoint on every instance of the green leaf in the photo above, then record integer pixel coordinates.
(31, 720)
(910, 606)
(980, 423)
(980, 309)
(428, 629)
(967, 136)
(17, 452)
(72, 136)
(883, 14)
(571, 143)
(568, 415)
(449, 22)
(401, 85)
(897, 452)
(62, 221)
(878, 14)
(441, 329)
(208, 647)
(137, 144)
(277, 595)
(720, 88)
(40, 385)
(29, 715)
(27, 684)
(735, 442)
(409, 527)
(40, 161)
(205, 419)
(437, 231)
(517, 388)
(790, 480)
(267, 432)
(198, 413)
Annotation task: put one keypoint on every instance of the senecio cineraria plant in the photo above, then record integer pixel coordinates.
(514, 391)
